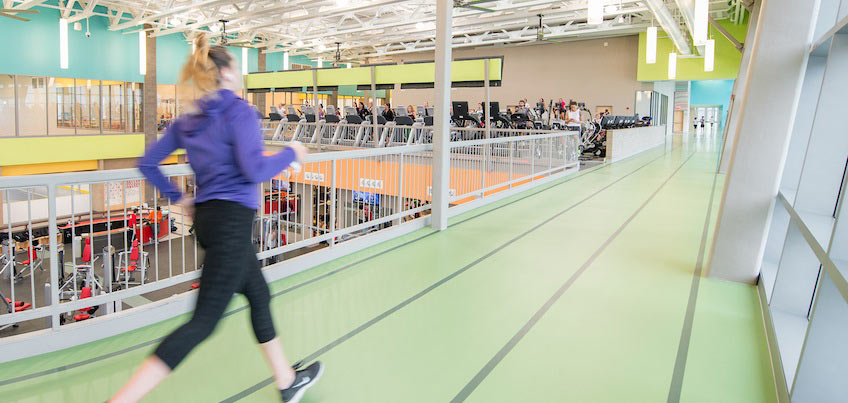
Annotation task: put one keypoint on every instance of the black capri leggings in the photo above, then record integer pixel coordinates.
(224, 230)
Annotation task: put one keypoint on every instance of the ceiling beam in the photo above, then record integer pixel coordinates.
(527, 39)
(169, 12)
(85, 13)
(669, 25)
(27, 4)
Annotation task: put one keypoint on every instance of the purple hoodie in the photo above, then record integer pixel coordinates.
(223, 142)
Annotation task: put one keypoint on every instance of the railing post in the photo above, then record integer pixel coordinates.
(485, 167)
(48, 301)
(511, 144)
(55, 265)
(399, 203)
(532, 159)
(333, 206)
(441, 122)
(550, 155)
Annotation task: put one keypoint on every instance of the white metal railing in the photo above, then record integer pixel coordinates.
(362, 135)
(122, 241)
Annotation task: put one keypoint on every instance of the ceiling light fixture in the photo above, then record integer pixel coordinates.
(709, 55)
(672, 66)
(651, 46)
(63, 43)
(142, 52)
(595, 12)
(702, 11)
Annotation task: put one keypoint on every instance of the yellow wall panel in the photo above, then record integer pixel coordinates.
(406, 73)
(45, 150)
(280, 79)
(49, 168)
(461, 70)
(336, 77)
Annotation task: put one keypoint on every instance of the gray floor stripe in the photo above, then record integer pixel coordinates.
(501, 354)
(676, 386)
(378, 318)
(80, 363)
(292, 288)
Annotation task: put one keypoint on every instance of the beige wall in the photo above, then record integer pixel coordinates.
(585, 71)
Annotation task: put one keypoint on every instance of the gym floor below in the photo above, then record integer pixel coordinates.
(587, 289)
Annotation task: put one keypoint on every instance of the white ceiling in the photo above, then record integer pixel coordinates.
(375, 29)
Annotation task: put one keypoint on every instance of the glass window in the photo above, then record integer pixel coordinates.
(186, 95)
(87, 106)
(112, 104)
(60, 106)
(166, 105)
(135, 110)
(32, 106)
(7, 105)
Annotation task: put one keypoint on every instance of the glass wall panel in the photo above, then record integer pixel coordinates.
(87, 106)
(112, 105)
(166, 105)
(186, 95)
(32, 106)
(7, 105)
(60, 106)
(134, 101)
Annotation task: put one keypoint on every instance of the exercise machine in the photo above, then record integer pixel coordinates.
(402, 132)
(346, 133)
(326, 128)
(130, 263)
(12, 307)
(82, 282)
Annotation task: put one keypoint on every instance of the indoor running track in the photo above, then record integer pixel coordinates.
(582, 290)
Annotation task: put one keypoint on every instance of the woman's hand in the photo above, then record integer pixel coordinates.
(300, 151)
(186, 204)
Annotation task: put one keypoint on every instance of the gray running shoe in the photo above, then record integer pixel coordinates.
(303, 380)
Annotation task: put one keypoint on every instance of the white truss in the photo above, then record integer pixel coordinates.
(369, 29)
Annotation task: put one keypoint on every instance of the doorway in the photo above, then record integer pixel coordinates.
(705, 119)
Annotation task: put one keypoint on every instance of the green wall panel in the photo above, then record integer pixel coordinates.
(727, 58)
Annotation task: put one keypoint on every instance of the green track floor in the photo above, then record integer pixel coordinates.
(576, 291)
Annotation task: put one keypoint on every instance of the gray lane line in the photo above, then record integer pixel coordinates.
(80, 363)
(307, 282)
(501, 354)
(354, 332)
(676, 386)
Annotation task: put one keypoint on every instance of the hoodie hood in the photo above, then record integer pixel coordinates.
(208, 109)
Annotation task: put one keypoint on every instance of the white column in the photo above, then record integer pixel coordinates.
(441, 120)
(732, 124)
(780, 51)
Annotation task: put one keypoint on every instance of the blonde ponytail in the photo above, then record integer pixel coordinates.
(203, 68)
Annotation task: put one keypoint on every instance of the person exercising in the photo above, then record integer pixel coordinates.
(572, 116)
(223, 142)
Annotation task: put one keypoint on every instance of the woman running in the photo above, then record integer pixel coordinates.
(223, 142)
